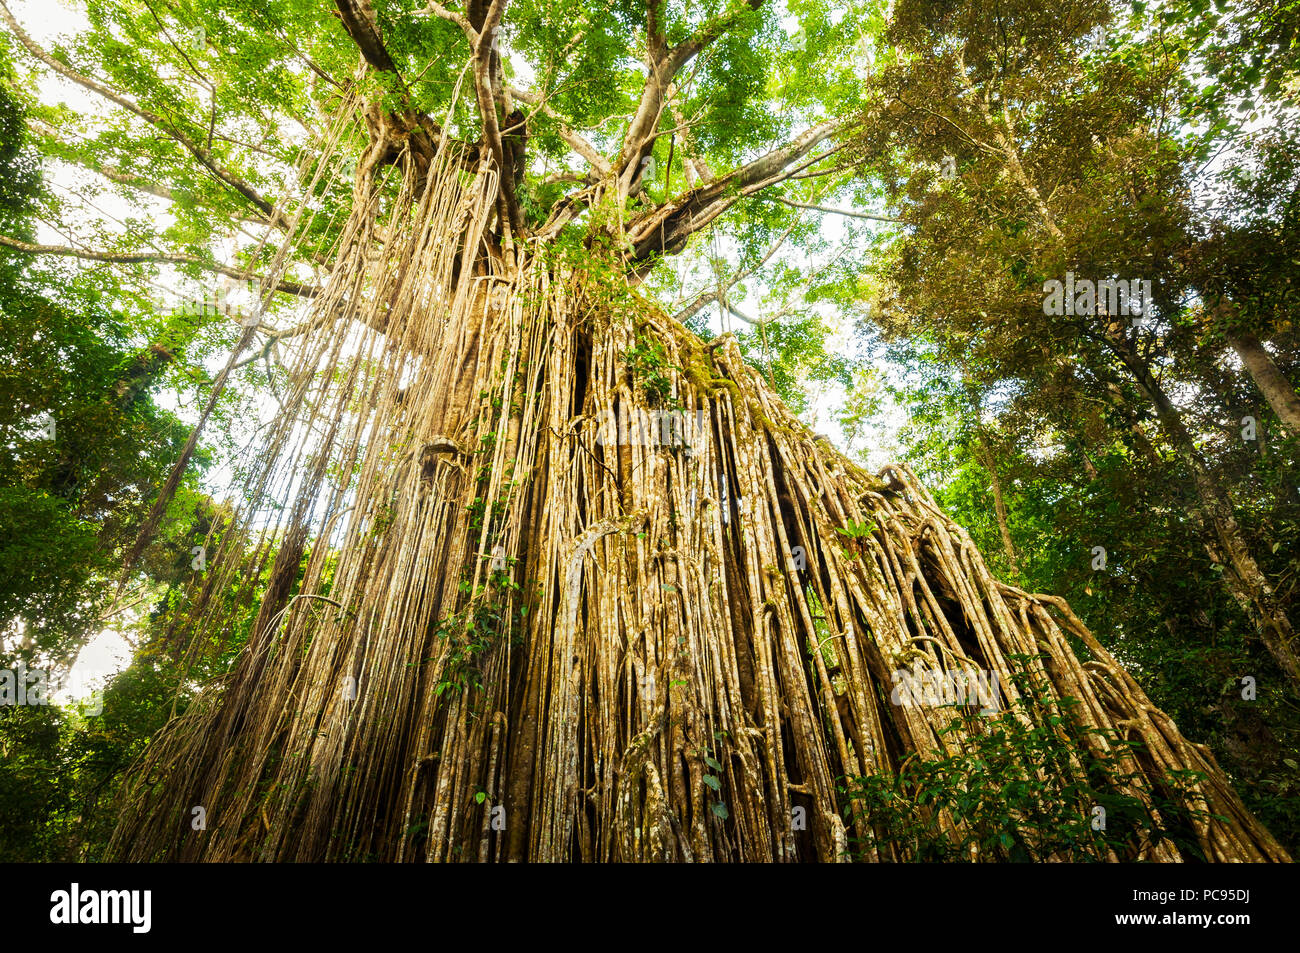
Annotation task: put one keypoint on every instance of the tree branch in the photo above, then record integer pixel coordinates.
(694, 163)
(667, 227)
(660, 74)
(358, 18)
(136, 258)
(710, 295)
(707, 34)
(451, 16)
(487, 107)
(576, 141)
(203, 156)
(833, 211)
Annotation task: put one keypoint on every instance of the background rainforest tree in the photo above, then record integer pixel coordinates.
(1110, 156)
(85, 449)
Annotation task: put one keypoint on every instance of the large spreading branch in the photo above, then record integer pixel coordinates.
(362, 26)
(487, 80)
(359, 21)
(665, 229)
(421, 133)
(664, 63)
(661, 229)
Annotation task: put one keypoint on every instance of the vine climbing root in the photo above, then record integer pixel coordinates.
(488, 624)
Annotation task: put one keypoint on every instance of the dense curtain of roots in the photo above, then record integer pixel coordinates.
(493, 630)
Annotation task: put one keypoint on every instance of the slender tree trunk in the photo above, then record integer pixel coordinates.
(1225, 541)
(1089, 467)
(1277, 390)
(999, 504)
(1243, 576)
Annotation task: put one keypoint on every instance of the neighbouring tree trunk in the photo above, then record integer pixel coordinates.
(1089, 467)
(500, 625)
(1225, 542)
(1277, 390)
(1116, 398)
(999, 504)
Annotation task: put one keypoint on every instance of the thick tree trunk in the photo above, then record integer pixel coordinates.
(1277, 390)
(517, 632)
